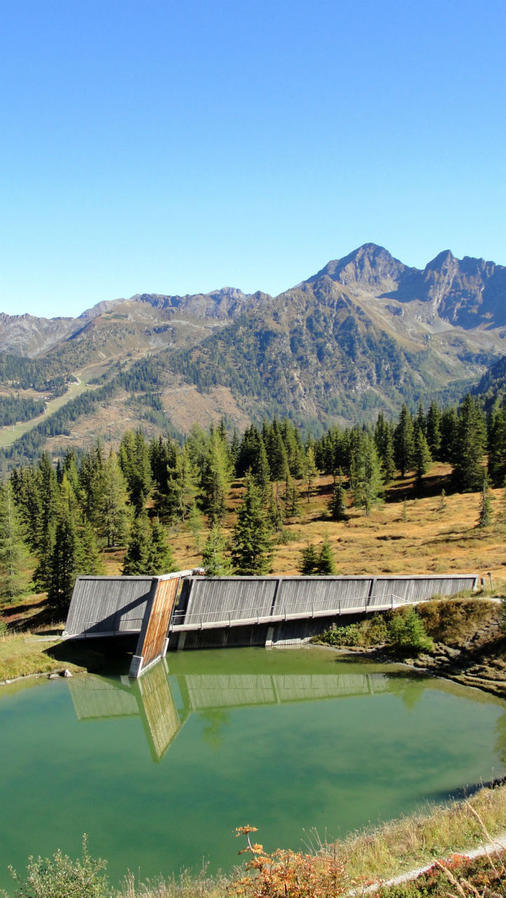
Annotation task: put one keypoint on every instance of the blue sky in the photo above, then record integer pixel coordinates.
(179, 147)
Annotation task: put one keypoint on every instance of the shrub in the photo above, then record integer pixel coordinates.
(289, 874)
(406, 632)
(61, 876)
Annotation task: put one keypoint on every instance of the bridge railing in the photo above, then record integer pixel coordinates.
(195, 620)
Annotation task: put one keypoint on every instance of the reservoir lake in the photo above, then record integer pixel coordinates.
(159, 772)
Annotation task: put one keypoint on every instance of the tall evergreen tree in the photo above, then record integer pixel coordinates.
(325, 564)
(73, 549)
(112, 513)
(434, 429)
(148, 551)
(497, 443)
(337, 504)
(161, 559)
(251, 540)
(308, 560)
(136, 560)
(215, 478)
(448, 431)
(134, 460)
(366, 480)
(422, 457)
(13, 552)
(404, 441)
(383, 438)
(469, 447)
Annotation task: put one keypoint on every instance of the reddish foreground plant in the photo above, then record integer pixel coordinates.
(288, 874)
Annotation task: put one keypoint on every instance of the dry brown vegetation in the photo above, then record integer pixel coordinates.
(404, 535)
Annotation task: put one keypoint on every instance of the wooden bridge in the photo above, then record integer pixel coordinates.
(189, 610)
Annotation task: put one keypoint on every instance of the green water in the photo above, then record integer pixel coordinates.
(159, 773)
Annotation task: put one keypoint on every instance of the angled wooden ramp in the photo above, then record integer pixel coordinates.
(118, 606)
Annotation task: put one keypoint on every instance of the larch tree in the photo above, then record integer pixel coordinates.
(215, 478)
(13, 551)
(112, 513)
(366, 479)
(214, 557)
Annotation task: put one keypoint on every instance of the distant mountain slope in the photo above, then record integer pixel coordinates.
(348, 340)
(492, 385)
(363, 334)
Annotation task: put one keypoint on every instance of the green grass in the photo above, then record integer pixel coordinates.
(24, 654)
(10, 433)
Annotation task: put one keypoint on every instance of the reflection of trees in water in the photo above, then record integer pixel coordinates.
(409, 689)
(213, 732)
(500, 744)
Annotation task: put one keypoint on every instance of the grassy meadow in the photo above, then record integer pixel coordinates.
(404, 534)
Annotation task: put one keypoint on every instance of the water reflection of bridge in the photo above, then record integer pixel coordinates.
(164, 702)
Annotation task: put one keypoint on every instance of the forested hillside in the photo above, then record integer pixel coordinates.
(236, 500)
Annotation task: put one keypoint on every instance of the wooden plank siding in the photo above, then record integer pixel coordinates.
(247, 610)
(153, 635)
(107, 606)
(235, 601)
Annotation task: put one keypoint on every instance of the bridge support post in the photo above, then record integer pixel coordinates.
(268, 638)
(181, 641)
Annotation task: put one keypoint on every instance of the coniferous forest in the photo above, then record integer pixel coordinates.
(62, 517)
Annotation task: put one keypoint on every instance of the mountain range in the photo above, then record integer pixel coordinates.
(363, 334)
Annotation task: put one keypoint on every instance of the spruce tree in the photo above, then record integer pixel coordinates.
(434, 429)
(160, 557)
(308, 560)
(276, 453)
(291, 499)
(13, 552)
(260, 470)
(134, 460)
(448, 431)
(497, 444)
(73, 550)
(469, 447)
(325, 564)
(404, 441)
(337, 504)
(63, 562)
(214, 556)
(251, 540)
(136, 560)
(383, 438)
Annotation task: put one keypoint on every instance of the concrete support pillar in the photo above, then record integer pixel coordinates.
(268, 638)
(181, 641)
(135, 666)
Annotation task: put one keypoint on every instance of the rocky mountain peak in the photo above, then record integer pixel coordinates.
(370, 266)
(444, 261)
